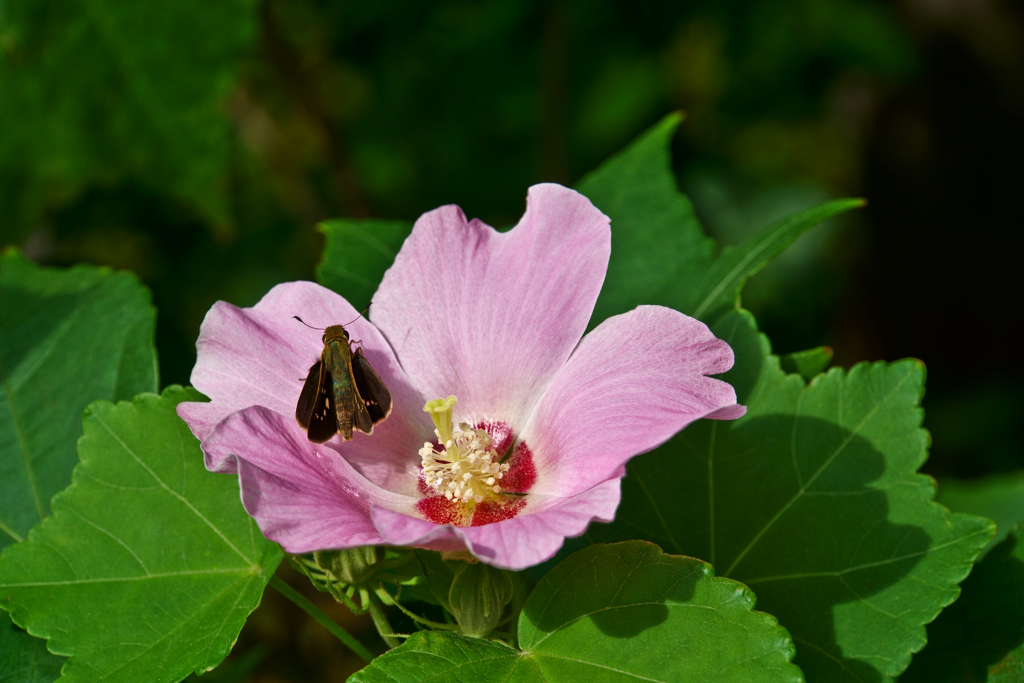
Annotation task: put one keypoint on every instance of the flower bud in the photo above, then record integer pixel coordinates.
(478, 595)
(353, 565)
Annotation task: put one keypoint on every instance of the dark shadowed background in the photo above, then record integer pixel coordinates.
(198, 145)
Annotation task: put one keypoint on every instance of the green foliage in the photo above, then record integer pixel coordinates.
(613, 613)
(637, 190)
(97, 91)
(980, 637)
(812, 499)
(439, 656)
(808, 364)
(649, 604)
(999, 497)
(356, 255)
(67, 338)
(149, 566)
(24, 659)
(443, 102)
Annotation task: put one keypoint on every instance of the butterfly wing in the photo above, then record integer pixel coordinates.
(307, 399)
(376, 399)
(314, 410)
(361, 417)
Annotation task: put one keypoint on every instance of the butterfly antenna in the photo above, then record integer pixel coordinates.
(306, 324)
(358, 316)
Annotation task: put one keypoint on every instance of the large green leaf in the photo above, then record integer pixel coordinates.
(96, 91)
(622, 612)
(149, 566)
(999, 497)
(812, 499)
(67, 338)
(637, 190)
(980, 637)
(357, 253)
(24, 659)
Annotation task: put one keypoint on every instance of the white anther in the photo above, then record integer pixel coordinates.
(464, 469)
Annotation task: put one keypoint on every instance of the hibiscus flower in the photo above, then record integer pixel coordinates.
(510, 429)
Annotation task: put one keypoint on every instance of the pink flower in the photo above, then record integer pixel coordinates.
(532, 442)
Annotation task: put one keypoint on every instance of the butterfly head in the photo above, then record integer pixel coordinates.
(335, 333)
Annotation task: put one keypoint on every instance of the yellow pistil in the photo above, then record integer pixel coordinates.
(465, 469)
(440, 411)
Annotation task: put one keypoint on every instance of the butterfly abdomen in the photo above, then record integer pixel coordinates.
(338, 357)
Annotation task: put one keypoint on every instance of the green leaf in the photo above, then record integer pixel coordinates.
(629, 606)
(24, 659)
(81, 78)
(235, 670)
(999, 497)
(812, 499)
(808, 364)
(622, 612)
(67, 338)
(356, 255)
(149, 566)
(980, 637)
(637, 190)
(442, 656)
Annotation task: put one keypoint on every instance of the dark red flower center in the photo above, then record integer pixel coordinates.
(483, 489)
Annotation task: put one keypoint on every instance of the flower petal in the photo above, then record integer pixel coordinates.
(727, 413)
(261, 356)
(634, 381)
(400, 529)
(302, 495)
(530, 539)
(515, 543)
(301, 522)
(489, 316)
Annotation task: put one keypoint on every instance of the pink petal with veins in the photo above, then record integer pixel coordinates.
(490, 317)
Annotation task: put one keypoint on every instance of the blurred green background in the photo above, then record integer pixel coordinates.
(199, 143)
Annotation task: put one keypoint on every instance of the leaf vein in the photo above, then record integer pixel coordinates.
(602, 666)
(125, 579)
(824, 466)
(174, 493)
(115, 538)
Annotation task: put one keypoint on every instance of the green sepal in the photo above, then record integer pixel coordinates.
(352, 565)
(478, 596)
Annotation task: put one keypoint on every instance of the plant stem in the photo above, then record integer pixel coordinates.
(380, 620)
(386, 598)
(341, 596)
(312, 610)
